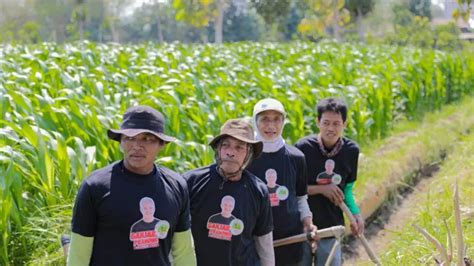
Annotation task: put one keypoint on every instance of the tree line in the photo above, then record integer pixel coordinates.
(122, 21)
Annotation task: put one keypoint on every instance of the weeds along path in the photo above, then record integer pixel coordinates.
(401, 170)
(389, 221)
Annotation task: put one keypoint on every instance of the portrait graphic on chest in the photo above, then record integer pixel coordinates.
(328, 176)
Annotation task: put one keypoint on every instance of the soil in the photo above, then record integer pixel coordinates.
(382, 226)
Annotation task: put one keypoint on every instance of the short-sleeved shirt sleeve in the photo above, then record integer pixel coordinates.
(84, 215)
(301, 175)
(184, 220)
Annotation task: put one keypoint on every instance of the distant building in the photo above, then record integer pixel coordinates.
(467, 30)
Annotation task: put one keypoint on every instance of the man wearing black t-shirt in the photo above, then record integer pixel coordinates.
(325, 196)
(230, 207)
(283, 167)
(133, 212)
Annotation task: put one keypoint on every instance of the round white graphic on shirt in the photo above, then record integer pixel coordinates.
(336, 179)
(236, 227)
(282, 193)
(162, 228)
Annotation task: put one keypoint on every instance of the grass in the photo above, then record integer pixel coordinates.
(56, 102)
(393, 162)
(409, 247)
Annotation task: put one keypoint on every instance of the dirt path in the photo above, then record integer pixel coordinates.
(390, 220)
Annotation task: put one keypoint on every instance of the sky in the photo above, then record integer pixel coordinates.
(138, 3)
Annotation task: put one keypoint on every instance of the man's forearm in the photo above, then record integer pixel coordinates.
(264, 246)
(303, 207)
(182, 249)
(350, 200)
(314, 189)
(80, 250)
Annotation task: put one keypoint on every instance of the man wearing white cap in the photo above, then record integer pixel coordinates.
(283, 168)
(133, 212)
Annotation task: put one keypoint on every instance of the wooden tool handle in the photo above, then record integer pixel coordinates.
(362, 238)
(334, 231)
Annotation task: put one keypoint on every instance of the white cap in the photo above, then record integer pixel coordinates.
(267, 105)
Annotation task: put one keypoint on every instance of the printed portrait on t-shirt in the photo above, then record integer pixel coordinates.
(328, 176)
(224, 225)
(147, 232)
(277, 192)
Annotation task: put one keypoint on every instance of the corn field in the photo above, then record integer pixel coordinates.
(57, 101)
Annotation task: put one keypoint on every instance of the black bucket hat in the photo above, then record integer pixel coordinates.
(141, 119)
(239, 129)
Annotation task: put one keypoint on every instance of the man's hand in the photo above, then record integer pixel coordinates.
(332, 192)
(357, 228)
(310, 227)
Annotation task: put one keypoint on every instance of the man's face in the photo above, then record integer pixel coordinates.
(227, 207)
(140, 151)
(331, 127)
(232, 153)
(329, 167)
(270, 124)
(147, 209)
(271, 178)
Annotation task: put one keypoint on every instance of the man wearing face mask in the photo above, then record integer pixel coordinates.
(283, 167)
(230, 207)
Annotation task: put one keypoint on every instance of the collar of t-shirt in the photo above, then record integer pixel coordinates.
(135, 175)
(271, 145)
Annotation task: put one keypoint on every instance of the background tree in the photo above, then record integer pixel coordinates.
(29, 33)
(358, 10)
(271, 10)
(200, 13)
(242, 24)
(464, 9)
(274, 14)
(446, 37)
(420, 8)
(142, 25)
(78, 18)
(114, 10)
(324, 16)
(54, 15)
(410, 29)
(195, 13)
(13, 17)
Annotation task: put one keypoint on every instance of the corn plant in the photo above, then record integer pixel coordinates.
(57, 101)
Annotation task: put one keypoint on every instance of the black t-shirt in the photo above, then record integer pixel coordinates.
(144, 226)
(111, 204)
(220, 227)
(222, 241)
(289, 166)
(326, 213)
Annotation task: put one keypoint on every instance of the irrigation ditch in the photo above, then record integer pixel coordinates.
(384, 204)
(389, 217)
